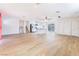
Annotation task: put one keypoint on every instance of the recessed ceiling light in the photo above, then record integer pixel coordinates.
(59, 16)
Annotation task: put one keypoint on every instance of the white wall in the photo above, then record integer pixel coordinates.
(63, 26)
(75, 26)
(10, 25)
(33, 11)
(68, 26)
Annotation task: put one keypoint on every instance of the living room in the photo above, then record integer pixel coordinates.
(39, 29)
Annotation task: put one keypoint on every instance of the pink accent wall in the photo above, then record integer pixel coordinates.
(0, 26)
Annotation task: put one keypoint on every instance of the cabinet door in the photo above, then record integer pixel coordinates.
(75, 27)
(67, 26)
(60, 26)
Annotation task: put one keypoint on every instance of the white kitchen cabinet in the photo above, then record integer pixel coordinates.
(75, 27)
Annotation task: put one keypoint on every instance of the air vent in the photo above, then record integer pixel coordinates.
(57, 11)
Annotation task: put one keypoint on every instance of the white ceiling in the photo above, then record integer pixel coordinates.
(41, 10)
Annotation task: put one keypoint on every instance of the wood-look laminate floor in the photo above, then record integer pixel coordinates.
(39, 45)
